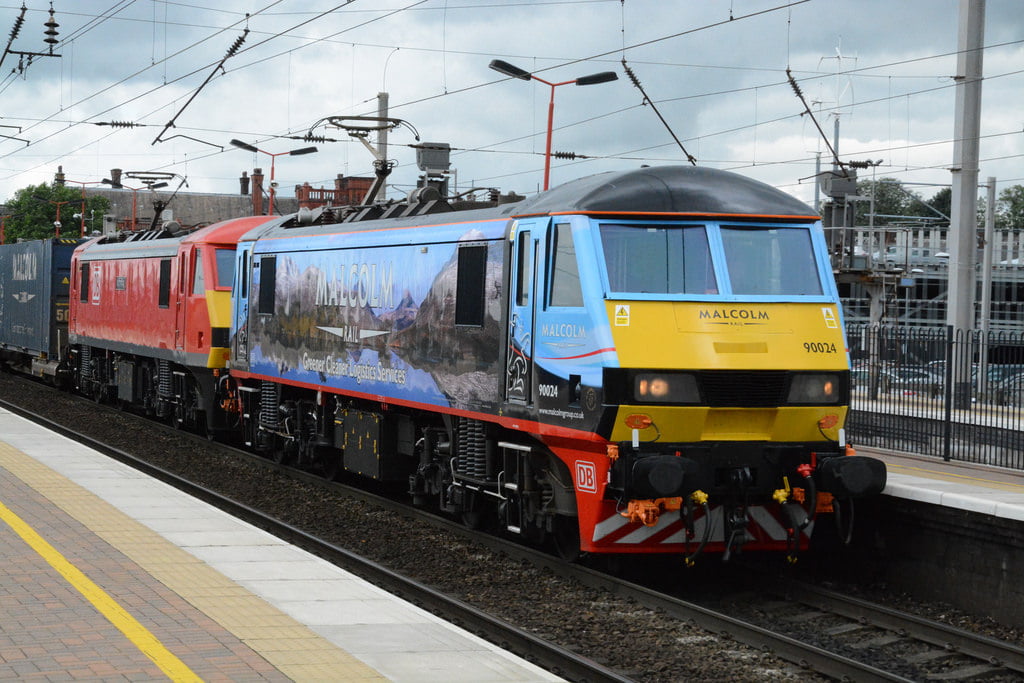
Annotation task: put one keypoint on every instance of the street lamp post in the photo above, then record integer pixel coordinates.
(273, 157)
(507, 69)
(58, 204)
(83, 184)
(135, 191)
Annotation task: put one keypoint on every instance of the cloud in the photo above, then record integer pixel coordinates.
(716, 75)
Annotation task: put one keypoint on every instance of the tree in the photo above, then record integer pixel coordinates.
(33, 212)
(941, 201)
(1010, 208)
(892, 201)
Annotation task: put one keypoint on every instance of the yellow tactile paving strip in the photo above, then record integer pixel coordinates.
(292, 648)
(952, 471)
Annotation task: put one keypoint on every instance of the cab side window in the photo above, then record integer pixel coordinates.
(164, 294)
(268, 283)
(471, 282)
(198, 285)
(565, 273)
(83, 282)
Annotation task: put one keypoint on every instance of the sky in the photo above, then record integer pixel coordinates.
(715, 71)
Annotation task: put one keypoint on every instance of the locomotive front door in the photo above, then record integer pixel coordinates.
(522, 293)
(241, 300)
(179, 300)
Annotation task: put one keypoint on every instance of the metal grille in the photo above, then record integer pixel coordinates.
(931, 392)
(741, 388)
(471, 449)
(165, 385)
(270, 397)
(85, 365)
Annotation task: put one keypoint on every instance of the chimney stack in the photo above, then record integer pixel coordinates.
(58, 177)
(244, 183)
(257, 192)
(115, 178)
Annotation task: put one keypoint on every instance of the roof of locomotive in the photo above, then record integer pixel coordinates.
(656, 191)
(691, 190)
(162, 243)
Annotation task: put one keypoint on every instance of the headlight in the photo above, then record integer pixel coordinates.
(814, 389)
(660, 387)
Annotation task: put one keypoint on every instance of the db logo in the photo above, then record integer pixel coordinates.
(586, 476)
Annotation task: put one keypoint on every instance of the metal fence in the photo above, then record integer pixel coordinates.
(932, 392)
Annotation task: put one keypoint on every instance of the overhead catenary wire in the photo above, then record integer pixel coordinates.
(654, 107)
(863, 71)
(220, 65)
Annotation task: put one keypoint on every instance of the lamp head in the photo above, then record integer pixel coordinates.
(593, 79)
(244, 145)
(507, 69)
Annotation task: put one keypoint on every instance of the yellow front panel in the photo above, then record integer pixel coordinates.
(727, 336)
(702, 336)
(218, 306)
(686, 424)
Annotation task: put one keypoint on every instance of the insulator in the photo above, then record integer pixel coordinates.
(793, 83)
(51, 29)
(564, 155)
(237, 44)
(308, 137)
(632, 76)
(17, 24)
(118, 124)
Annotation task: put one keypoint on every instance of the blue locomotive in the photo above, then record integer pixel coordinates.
(650, 361)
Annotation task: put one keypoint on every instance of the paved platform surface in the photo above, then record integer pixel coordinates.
(964, 486)
(106, 574)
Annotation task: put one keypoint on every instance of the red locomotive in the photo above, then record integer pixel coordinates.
(150, 317)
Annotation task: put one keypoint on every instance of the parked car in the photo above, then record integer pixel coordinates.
(1010, 390)
(996, 371)
(907, 380)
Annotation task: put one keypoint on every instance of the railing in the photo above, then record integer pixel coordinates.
(932, 392)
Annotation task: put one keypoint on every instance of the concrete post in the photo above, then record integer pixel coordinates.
(963, 228)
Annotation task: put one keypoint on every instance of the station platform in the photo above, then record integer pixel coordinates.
(107, 574)
(982, 489)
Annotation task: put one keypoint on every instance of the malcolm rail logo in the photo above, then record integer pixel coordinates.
(733, 316)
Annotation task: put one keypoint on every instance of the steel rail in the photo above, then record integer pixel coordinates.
(990, 650)
(558, 660)
(806, 656)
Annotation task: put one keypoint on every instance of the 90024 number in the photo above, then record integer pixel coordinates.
(819, 347)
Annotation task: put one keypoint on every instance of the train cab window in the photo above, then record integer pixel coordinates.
(243, 280)
(225, 268)
(83, 282)
(658, 259)
(164, 293)
(471, 282)
(268, 283)
(771, 261)
(524, 273)
(198, 283)
(565, 273)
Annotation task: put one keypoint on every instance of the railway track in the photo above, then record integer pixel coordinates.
(852, 640)
(548, 655)
(906, 646)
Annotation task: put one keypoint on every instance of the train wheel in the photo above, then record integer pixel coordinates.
(566, 537)
(474, 519)
(176, 416)
(283, 455)
(331, 465)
